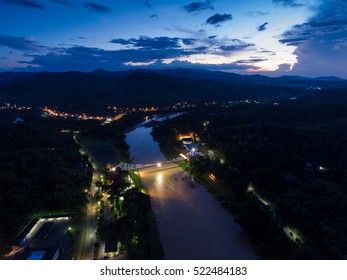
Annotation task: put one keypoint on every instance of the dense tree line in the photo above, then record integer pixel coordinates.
(87, 90)
(111, 137)
(39, 173)
(133, 222)
(295, 156)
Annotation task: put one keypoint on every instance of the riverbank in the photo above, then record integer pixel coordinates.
(122, 205)
(272, 236)
(191, 223)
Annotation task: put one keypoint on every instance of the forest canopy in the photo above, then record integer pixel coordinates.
(39, 173)
(293, 156)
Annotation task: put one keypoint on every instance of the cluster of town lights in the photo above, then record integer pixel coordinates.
(8, 106)
(82, 116)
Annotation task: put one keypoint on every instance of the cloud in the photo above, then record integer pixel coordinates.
(203, 46)
(285, 67)
(268, 52)
(93, 7)
(150, 43)
(89, 59)
(293, 41)
(320, 44)
(210, 62)
(154, 16)
(227, 67)
(340, 43)
(25, 3)
(139, 52)
(256, 14)
(217, 19)
(198, 6)
(250, 61)
(19, 43)
(313, 29)
(144, 63)
(287, 3)
(236, 45)
(122, 41)
(146, 3)
(262, 27)
(188, 41)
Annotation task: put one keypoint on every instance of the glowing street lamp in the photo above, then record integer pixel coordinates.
(321, 168)
(183, 156)
(212, 177)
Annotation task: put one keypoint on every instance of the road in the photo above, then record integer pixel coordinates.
(84, 246)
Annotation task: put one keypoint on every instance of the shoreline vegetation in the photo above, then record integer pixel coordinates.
(280, 170)
(55, 152)
(130, 220)
(272, 199)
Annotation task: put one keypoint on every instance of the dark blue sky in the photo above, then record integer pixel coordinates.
(273, 37)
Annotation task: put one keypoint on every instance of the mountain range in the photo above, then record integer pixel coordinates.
(153, 87)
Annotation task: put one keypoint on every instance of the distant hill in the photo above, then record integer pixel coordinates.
(151, 87)
(297, 81)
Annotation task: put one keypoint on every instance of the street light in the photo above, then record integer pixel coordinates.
(158, 164)
(193, 151)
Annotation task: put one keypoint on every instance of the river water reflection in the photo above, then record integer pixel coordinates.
(192, 224)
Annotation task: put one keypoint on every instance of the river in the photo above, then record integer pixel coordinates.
(192, 224)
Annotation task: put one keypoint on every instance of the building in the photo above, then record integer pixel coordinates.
(186, 138)
(45, 253)
(111, 248)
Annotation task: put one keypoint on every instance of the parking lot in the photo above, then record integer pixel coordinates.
(50, 232)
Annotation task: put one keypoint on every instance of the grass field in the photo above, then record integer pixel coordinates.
(99, 151)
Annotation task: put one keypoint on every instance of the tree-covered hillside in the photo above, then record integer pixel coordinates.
(40, 172)
(131, 89)
(284, 166)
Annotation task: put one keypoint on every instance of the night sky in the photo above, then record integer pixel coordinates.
(271, 37)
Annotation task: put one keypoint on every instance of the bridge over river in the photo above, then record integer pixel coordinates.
(192, 224)
(133, 166)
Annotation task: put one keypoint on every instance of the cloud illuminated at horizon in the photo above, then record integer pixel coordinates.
(247, 36)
